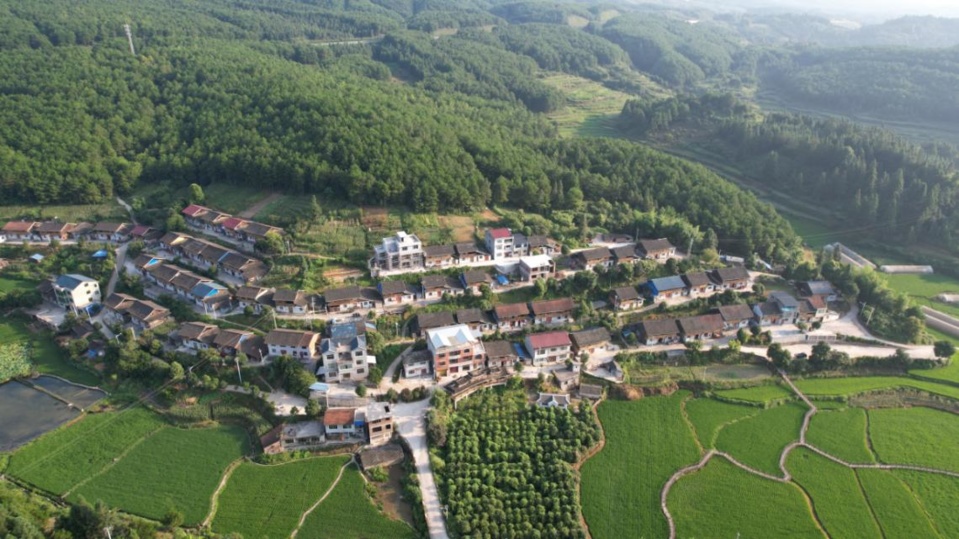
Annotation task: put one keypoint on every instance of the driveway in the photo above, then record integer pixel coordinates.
(411, 420)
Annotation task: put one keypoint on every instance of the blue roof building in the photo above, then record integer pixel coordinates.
(665, 284)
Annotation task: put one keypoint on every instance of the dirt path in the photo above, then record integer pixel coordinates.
(214, 500)
(258, 206)
(323, 497)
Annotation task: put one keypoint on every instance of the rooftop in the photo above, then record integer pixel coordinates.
(549, 340)
(511, 310)
(661, 244)
(625, 293)
(589, 337)
(339, 416)
(536, 261)
(698, 325)
(550, 306)
(499, 349)
(458, 335)
(655, 328)
(499, 233)
(434, 320)
(673, 282)
(290, 337)
(732, 273)
(735, 313)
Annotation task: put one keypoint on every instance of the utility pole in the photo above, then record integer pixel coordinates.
(108, 531)
(126, 28)
(690, 251)
(238, 375)
(274, 319)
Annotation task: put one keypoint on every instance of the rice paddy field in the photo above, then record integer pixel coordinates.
(841, 433)
(758, 441)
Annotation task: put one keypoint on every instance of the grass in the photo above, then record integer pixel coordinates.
(174, 469)
(839, 387)
(388, 354)
(9, 285)
(759, 394)
(348, 513)
(285, 206)
(758, 441)
(109, 210)
(591, 110)
(894, 506)
(841, 433)
(924, 288)
(723, 501)
(920, 436)
(938, 495)
(836, 497)
(293, 488)
(232, 199)
(61, 459)
(708, 416)
(646, 442)
(948, 374)
(45, 355)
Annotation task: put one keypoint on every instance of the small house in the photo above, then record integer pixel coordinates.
(439, 256)
(695, 328)
(551, 347)
(736, 317)
(653, 332)
(698, 284)
(351, 298)
(658, 249)
(478, 321)
(552, 312)
(553, 400)
(511, 316)
(196, 335)
(664, 288)
(294, 343)
(625, 254)
(590, 341)
(625, 298)
(823, 289)
(731, 278)
(436, 286)
(469, 253)
(339, 423)
(417, 364)
(287, 301)
(591, 258)
(500, 354)
(474, 280)
(396, 293)
(254, 296)
(536, 267)
(426, 321)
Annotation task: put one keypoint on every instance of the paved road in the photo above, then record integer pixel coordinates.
(411, 420)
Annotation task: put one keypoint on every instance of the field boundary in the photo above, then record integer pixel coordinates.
(323, 497)
(215, 497)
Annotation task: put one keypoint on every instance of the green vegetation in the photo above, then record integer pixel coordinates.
(348, 513)
(838, 387)
(895, 508)
(760, 394)
(841, 433)
(779, 426)
(947, 374)
(14, 361)
(293, 488)
(646, 442)
(708, 416)
(591, 108)
(836, 497)
(43, 353)
(919, 436)
(23, 515)
(60, 460)
(722, 500)
(937, 495)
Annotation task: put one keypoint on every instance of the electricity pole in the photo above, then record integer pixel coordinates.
(126, 28)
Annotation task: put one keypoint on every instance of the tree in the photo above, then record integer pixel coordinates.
(172, 519)
(312, 408)
(271, 243)
(196, 194)
(376, 375)
(541, 288)
(361, 390)
(943, 349)
(315, 209)
(778, 355)
(176, 371)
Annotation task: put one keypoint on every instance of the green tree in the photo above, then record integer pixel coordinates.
(197, 196)
(271, 243)
(944, 349)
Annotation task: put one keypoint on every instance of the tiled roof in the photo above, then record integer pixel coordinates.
(551, 306)
(626, 293)
(658, 328)
(511, 310)
(736, 313)
(500, 233)
(338, 416)
(651, 246)
(290, 337)
(549, 340)
(589, 337)
(499, 349)
(697, 325)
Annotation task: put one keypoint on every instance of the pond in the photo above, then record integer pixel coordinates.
(26, 413)
(79, 396)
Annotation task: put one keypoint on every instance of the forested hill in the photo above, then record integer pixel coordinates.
(241, 93)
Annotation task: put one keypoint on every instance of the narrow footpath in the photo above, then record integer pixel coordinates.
(411, 421)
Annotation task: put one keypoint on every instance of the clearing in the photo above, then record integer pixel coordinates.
(591, 108)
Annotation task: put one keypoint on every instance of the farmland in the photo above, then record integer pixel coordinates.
(758, 394)
(896, 509)
(708, 416)
(919, 436)
(838, 387)
(44, 354)
(779, 426)
(937, 494)
(348, 513)
(293, 488)
(841, 433)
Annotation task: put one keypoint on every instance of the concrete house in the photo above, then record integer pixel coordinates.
(500, 354)
(551, 347)
(658, 249)
(501, 244)
(536, 267)
(294, 343)
(511, 316)
(625, 298)
(75, 292)
(736, 317)
(436, 286)
(455, 351)
(591, 258)
(378, 419)
(439, 256)
(344, 356)
(552, 312)
(469, 253)
(287, 301)
(401, 251)
(652, 332)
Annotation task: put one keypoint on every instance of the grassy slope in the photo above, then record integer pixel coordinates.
(836, 387)
(949, 373)
(646, 442)
(896, 509)
(723, 501)
(763, 393)
(47, 357)
(293, 488)
(348, 513)
(938, 495)
(176, 468)
(758, 441)
(591, 108)
(920, 436)
(837, 499)
(708, 416)
(841, 433)
(61, 459)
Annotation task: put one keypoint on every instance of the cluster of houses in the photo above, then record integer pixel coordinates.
(216, 222)
(196, 336)
(184, 284)
(206, 254)
(48, 231)
(779, 308)
(370, 423)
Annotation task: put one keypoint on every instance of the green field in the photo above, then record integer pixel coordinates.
(839, 387)
(232, 199)
(646, 442)
(63, 458)
(591, 108)
(293, 487)
(71, 214)
(896, 509)
(924, 288)
(836, 497)
(46, 356)
(348, 513)
(841, 433)
(760, 394)
(708, 416)
(7, 285)
(919, 436)
(938, 496)
(948, 374)
(758, 441)
(723, 501)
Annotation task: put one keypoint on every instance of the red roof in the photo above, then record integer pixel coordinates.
(140, 230)
(549, 340)
(193, 210)
(232, 223)
(338, 416)
(500, 233)
(19, 226)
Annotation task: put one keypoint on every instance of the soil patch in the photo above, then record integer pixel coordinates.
(389, 496)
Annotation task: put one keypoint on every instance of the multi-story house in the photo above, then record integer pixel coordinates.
(377, 417)
(399, 252)
(76, 292)
(536, 267)
(343, 355)
(455, 351)
(551, 347)
(294, 343)
(501, 243)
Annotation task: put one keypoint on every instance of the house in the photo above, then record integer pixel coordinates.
(254, 296)
(436, 286)
(788, 306)
(229, 342)
(469, 254)
(396, 292)
(300, 436)
(417, 363)
(439, 256)
(695, 328)
(553, 400)
(242, 267)
(536, 267)
(478, 321)
(473, 280)
(350, 298)
(511, 316)
(625, 254)
(191, 214)
(567, 379)
(76, 292)
(79, 231)
(145, 233)
(378, 418)
(591, 258)
(343, 355)
(253, 232)
(500, 243)
(185, 281)
(339, 423)
(293, 343)
(426, 321)
(552, 312)
(233, 227)
(698, 284)
(543, 245)
(664, 288)
(19, 230)
(171, 241)
(735, 317)
(53, 230)
(812, 309)
(767, 313)
(659, 249)
(520, 245)
(144, 262)
(401, 251)
(589, 341)
(625, 298)
(196, 335)
(141, 314)
(818, 288)
(653, 332)
(211, 296)
(287, 301)
(115, 232)
(202, 252)
(551, 347)
(591, 391)
(211, 220)
(500, 354)
(455, 350)
(731, 278)
(162, 274)
(255, 348)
